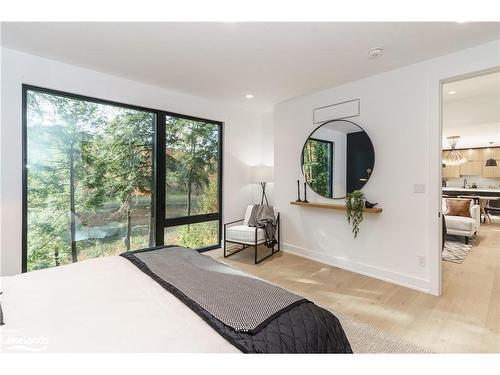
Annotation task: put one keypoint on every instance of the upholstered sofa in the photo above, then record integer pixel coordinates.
(461, 225)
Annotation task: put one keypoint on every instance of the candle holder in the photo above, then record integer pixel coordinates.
(305, 193)
(298, 192)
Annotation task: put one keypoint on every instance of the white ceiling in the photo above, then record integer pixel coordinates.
(475, 86)
(225, 61)
(473, 112)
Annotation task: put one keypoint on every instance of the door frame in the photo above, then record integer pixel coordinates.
(442, 82)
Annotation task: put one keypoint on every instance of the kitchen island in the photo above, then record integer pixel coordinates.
(487, 192)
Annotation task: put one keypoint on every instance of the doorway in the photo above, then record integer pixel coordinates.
(470, 192)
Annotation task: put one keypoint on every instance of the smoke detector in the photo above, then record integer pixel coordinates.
(375, 52)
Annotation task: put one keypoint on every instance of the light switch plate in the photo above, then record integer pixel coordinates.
(421, 260)
(419, 188)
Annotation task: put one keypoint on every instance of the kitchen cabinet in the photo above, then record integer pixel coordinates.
(491, 171)
(475, 164)
(451, 171)
(491, 153)
(471, 168)
(473, 154)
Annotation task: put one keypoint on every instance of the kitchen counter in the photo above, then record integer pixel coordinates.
(470, 190)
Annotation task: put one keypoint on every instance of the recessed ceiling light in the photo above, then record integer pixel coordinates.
(249, 96)
(375, 52)
(452, 92)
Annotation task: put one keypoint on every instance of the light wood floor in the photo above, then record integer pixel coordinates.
(466, 318)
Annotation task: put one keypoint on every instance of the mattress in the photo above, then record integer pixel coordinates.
(99, 305)
(119, 304)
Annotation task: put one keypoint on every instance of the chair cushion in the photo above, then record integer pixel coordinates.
(461, 223)
(244, 233)
(248, 213)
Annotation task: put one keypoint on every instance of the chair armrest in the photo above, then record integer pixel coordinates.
(233, 222)
(475, 213)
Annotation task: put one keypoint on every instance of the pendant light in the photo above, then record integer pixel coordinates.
(491, 162)
(453, 157)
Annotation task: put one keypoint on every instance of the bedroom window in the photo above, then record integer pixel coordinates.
(101, 178)
(193, 180)
(89, 179)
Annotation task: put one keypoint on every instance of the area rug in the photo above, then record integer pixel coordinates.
(366, 339)
(455, 250)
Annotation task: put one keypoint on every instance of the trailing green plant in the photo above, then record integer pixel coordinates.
(354, 204)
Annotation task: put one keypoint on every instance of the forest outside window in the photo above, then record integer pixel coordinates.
(91, 182)
(193, 182)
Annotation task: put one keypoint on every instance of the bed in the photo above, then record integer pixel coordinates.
(136, 303)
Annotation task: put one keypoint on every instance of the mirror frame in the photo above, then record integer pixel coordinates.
(309, 136)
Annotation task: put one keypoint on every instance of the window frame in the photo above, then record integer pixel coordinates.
(159, 171)
(201, 218)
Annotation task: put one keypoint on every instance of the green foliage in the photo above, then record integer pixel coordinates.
(354, 203)
(118, 165)
(200, 235)
(192, 155)
(90, 179)
(66, 173)
(318, 166)
(56, 126)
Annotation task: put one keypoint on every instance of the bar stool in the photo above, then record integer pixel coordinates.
(484, 204)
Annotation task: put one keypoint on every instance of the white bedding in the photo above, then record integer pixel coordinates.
(99, 305)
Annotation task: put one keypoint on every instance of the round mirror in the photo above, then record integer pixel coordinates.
(337, 158)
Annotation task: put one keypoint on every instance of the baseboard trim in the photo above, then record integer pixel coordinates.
(422, 285)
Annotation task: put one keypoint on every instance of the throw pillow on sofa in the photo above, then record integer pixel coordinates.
(458, 207)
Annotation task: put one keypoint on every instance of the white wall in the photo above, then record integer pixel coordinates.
(400, 112)
(266, 156)
(242, 133)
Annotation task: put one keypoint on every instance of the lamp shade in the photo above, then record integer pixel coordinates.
(262, 173)
(491, 163)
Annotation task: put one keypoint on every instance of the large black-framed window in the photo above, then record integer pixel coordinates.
(193, 194)
(101, 177)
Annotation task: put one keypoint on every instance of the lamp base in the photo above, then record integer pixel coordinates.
(264, 196)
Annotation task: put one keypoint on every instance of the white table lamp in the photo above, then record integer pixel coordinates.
(262, 174)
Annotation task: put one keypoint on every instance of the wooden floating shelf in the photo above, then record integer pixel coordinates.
(331, 206)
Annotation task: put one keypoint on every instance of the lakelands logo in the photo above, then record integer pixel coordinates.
(11, 340)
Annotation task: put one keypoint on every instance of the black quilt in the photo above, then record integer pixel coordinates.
(301, 328)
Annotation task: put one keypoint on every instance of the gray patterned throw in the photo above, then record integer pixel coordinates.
(240, 301)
